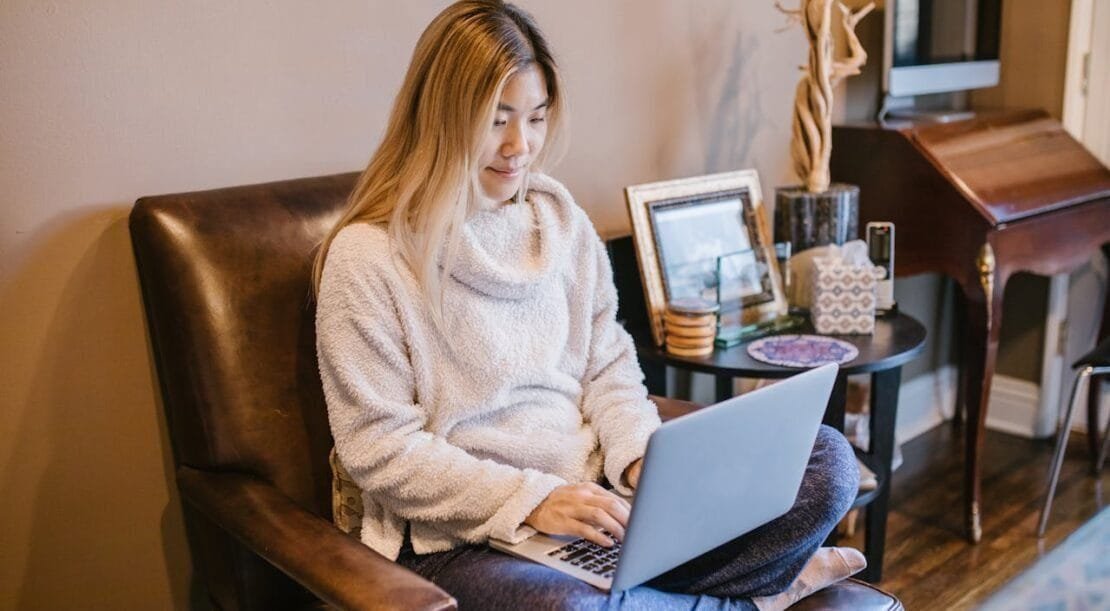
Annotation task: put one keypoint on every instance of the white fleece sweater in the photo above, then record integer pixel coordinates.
(534, 385)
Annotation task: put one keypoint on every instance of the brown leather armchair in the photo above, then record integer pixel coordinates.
(225, 278)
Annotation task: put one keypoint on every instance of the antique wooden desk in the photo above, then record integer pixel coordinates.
(978, 201)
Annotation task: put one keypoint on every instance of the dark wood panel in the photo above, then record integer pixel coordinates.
(936, 230)
(1054, 243)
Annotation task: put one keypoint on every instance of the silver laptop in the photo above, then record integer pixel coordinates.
(708, 477)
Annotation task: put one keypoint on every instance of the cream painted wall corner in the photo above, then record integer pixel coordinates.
(104, 102)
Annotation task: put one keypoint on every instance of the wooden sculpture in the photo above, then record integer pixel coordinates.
(811, 145)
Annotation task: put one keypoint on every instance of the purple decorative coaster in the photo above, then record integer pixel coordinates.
(801, 350)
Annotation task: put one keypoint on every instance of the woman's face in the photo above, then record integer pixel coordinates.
(515, 138)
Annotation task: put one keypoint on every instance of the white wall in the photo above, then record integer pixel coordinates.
(1087, 288)
(1096, 134)
(103, 102)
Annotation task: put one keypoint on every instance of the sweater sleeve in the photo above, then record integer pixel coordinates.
(615, 400)
(380, 430)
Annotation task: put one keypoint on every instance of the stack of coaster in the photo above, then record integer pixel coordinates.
(690, 325)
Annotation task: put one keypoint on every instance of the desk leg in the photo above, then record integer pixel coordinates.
(984, 318)
(959, 409)
(655, 376)
(884, 409)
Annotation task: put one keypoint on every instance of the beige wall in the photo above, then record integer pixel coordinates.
(102, 102)
(1034, 50)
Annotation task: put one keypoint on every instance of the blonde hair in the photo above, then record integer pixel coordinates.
(422, 181)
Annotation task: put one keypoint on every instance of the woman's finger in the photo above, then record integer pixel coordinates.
(598, 490)
(623, 501)
(614, 506)
(590, 533)
(598, 518)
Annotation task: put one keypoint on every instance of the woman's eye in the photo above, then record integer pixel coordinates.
(538, 119)
(499, 122)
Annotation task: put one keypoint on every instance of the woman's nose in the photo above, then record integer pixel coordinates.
(516, 143)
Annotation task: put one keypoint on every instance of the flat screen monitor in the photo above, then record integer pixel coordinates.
(937, 46)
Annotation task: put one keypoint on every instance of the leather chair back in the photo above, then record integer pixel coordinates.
(226, 284)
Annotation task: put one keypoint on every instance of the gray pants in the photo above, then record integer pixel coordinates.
(762, 562)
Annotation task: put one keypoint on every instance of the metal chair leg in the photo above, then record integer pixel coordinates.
(1105, 434)
(1105, 447)
(1092, 417)
(1058, 455)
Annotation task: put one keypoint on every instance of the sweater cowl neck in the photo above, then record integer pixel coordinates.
(509, 251)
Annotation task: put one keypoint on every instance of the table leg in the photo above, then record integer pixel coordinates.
(723, 388)
(834, 417)
(681, 383)
(884, 409)
(834, 410)
(655, 376)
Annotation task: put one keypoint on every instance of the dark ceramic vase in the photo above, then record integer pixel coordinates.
(805, 220)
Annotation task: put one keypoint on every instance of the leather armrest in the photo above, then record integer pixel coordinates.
(331, 564)
(673, 408)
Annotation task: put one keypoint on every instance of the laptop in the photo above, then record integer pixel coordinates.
(707, 478)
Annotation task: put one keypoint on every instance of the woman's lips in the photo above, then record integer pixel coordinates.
(506, 174)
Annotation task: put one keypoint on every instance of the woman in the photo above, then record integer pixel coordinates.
(477, 382)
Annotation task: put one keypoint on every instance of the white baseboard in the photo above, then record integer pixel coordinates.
(1013, 409)
(1015, 403)
(1014, 406)
(924, 402)
(929, 399)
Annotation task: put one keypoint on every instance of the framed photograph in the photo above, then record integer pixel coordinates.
(706, 237)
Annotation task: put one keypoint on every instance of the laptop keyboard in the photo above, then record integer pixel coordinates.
(589, 556)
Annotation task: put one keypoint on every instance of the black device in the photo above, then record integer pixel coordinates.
(880, 249)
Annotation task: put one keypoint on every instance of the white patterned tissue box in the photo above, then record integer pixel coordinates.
(844, 296)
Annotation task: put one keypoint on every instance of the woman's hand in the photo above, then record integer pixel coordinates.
(581, 510)
(632, 473)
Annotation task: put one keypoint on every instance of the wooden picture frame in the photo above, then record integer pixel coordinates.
(682, 227)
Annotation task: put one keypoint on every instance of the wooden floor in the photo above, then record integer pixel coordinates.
(929, 564)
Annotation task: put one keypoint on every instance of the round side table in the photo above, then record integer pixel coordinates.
(898, 338)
